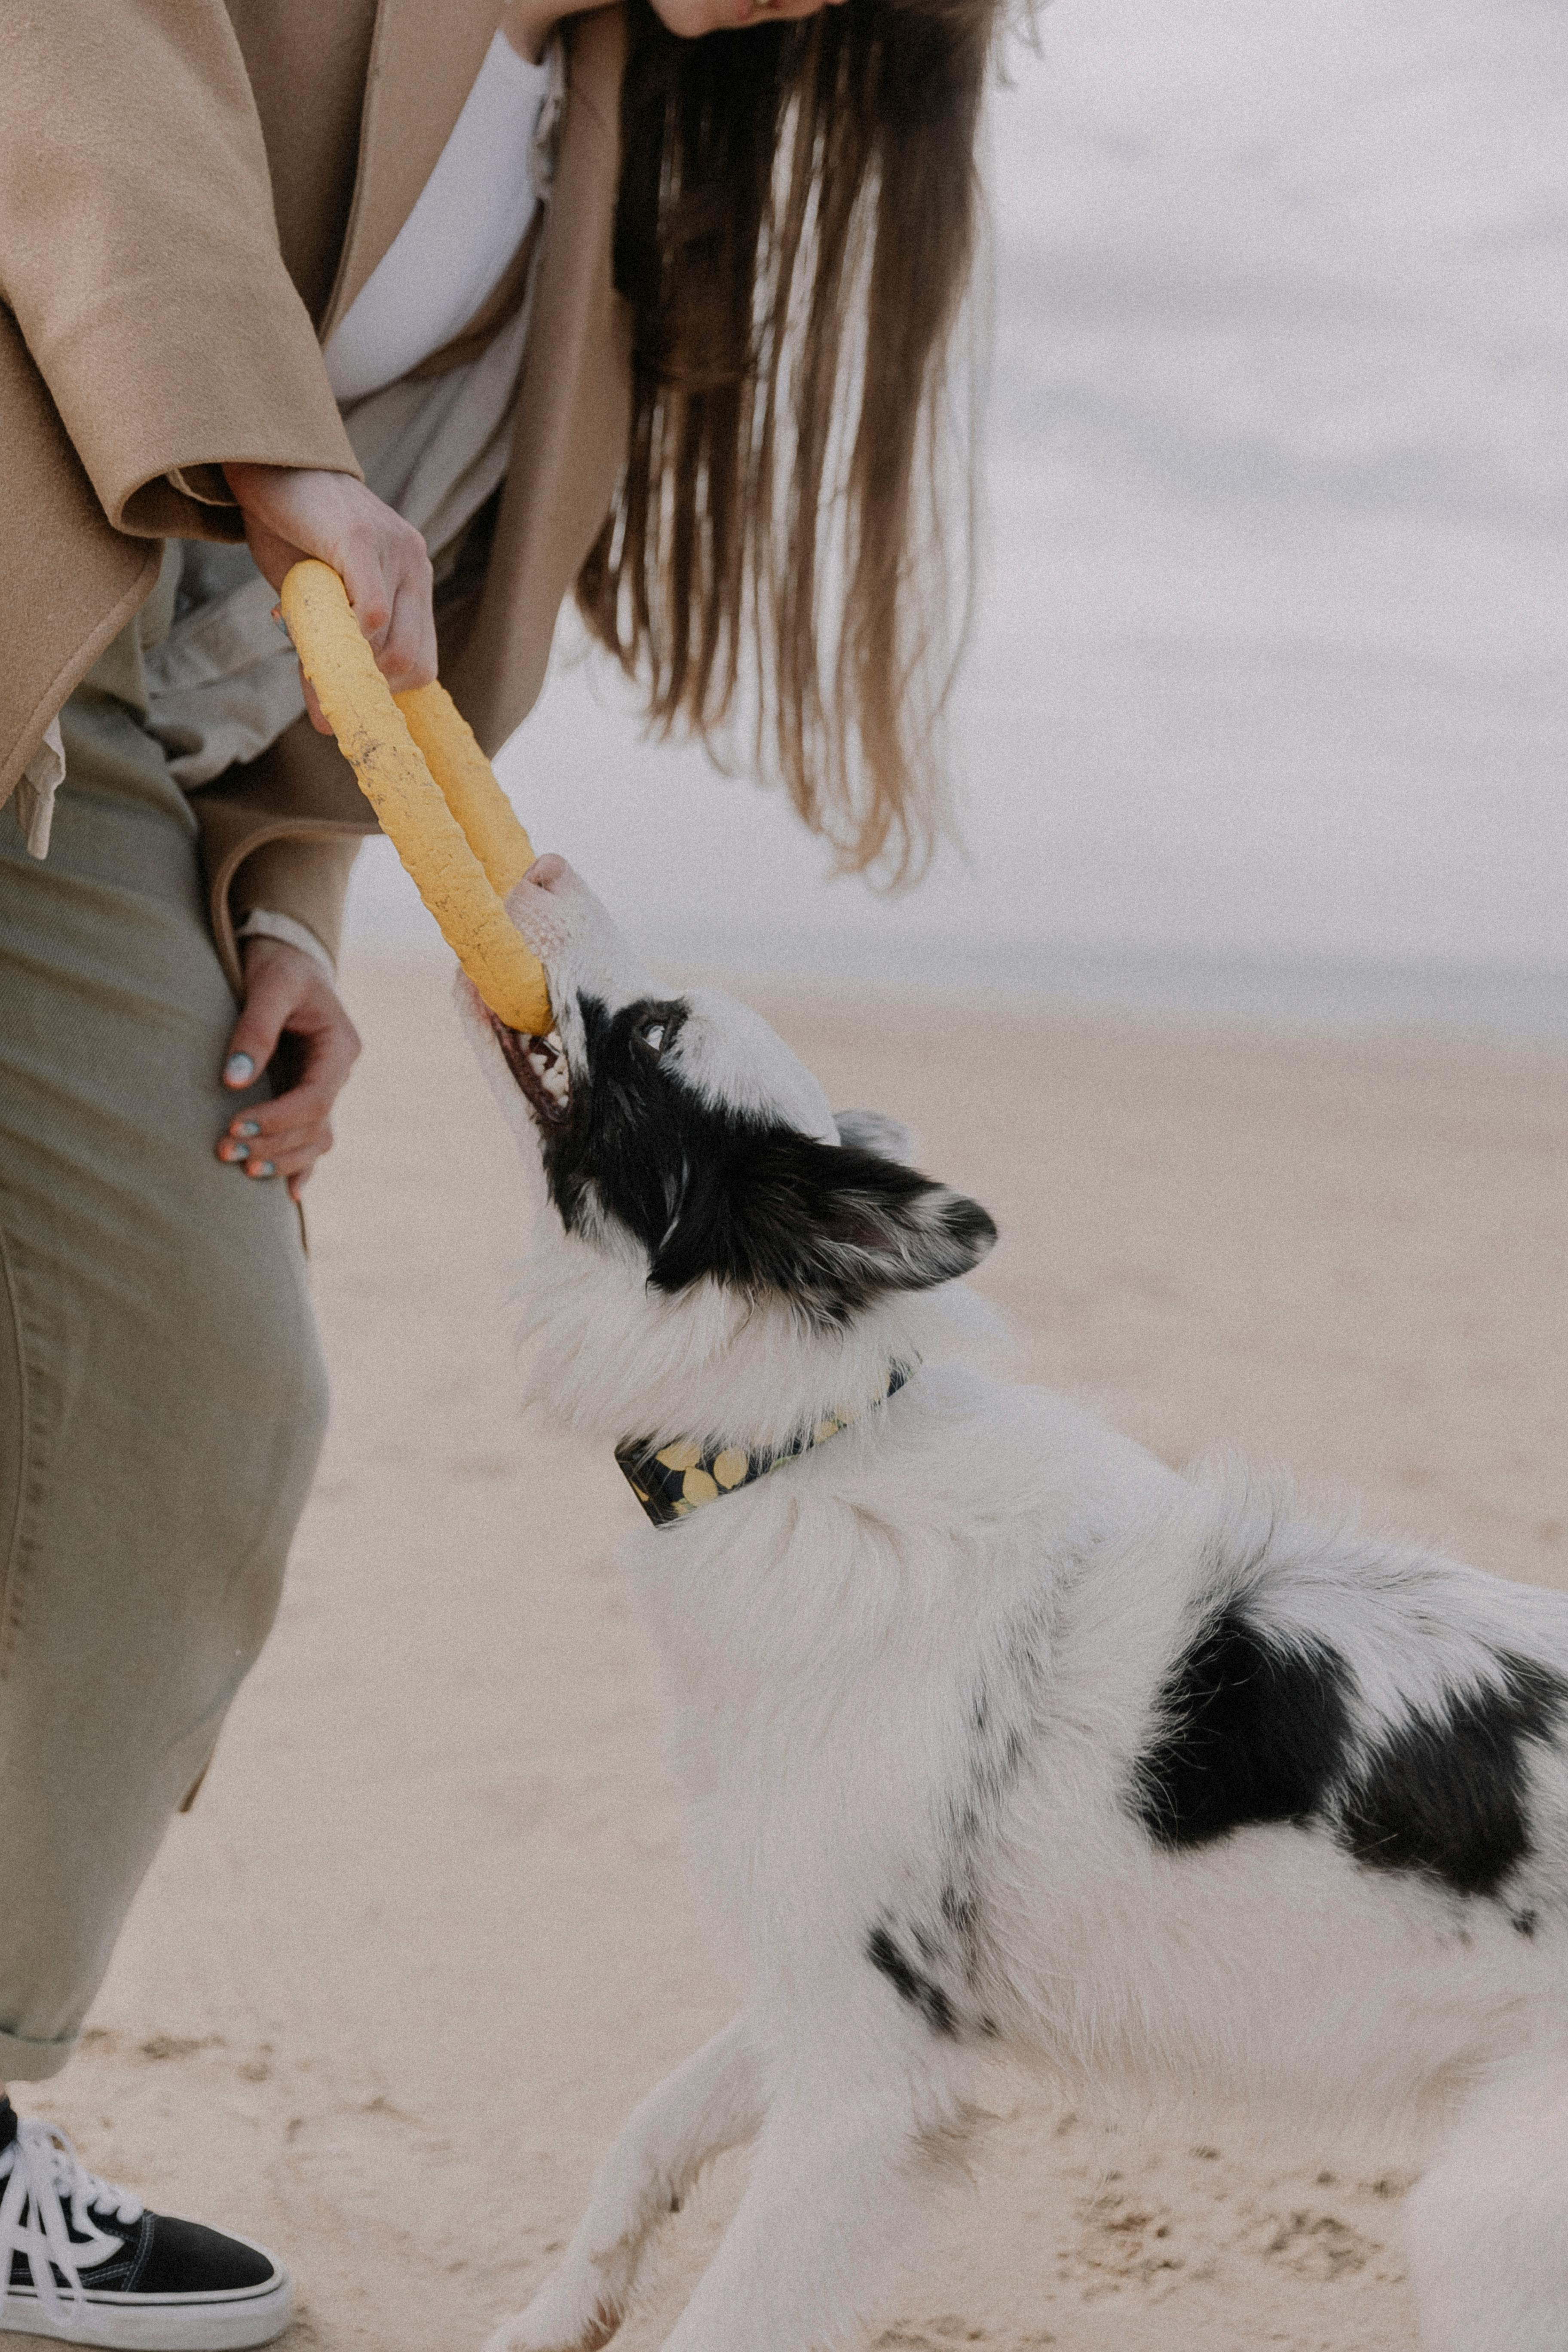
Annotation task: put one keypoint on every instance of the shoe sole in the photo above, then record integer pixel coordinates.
(140, 2323)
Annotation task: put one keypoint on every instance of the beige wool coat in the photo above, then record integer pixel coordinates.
(192, 193)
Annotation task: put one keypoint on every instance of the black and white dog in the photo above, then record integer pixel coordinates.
(998, 1737)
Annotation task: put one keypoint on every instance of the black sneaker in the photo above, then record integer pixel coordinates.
(86, 2262)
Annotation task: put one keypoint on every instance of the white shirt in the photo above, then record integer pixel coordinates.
(454, 247)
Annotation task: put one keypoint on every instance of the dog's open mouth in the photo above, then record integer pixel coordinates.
(539, 1066)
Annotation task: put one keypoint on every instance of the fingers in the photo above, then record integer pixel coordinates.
(280, 1129)
(255, 1034)
(387, 573)
(294, 511)
(291, 1157)
(287, 998)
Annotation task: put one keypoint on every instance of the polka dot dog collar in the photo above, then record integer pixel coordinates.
(680, 1477)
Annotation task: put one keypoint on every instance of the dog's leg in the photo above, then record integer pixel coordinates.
(1487, 2224)
(845, 2172)
(712, 2102)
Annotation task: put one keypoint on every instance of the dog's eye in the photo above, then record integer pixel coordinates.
(652, 1034)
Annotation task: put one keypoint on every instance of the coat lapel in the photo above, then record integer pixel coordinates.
(423, 61)
(573, 403)
(307, 65)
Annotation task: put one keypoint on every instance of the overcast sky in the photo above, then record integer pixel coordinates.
(1274, 580)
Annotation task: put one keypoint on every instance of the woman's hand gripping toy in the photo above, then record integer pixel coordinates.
(435, 792)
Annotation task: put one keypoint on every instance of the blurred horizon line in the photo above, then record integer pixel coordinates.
(1315, 994)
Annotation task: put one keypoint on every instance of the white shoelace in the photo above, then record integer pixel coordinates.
(43, 2176)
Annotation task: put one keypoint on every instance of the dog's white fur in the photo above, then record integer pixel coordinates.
(933, 1650)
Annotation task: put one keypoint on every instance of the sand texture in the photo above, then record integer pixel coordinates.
(397, 1979)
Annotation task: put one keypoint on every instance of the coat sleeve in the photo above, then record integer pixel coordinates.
(138, 257)
(281, 833)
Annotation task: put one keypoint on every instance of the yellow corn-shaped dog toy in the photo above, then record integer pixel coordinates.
(434, 790)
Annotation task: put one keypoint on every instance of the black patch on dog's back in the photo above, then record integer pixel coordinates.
(1258, 1730)
(1445, 1794)
(1254, 1730)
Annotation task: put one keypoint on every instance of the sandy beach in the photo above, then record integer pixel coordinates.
(426, 1936)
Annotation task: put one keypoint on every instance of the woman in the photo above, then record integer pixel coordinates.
(277, 283)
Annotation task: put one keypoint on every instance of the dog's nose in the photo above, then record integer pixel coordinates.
(554, 909)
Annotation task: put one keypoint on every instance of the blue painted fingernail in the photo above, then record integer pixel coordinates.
(261, 1168)
(233, 1152)
(248, 1127)
(239, 1070)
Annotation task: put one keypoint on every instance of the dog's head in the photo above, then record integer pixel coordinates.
(682, 1131)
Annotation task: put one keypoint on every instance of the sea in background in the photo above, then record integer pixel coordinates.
(1304, 995)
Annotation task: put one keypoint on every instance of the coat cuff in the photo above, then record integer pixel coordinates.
(305, 879)
(282, 833)
(266, 923)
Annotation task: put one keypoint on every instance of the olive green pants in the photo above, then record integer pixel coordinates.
(162, 1392)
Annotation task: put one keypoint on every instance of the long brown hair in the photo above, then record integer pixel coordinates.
(795, 234)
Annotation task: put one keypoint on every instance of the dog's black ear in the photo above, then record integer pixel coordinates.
(873, 1130)
(829, 1228)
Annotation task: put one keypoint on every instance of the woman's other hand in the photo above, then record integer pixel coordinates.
(290, 512)
(291, 1011)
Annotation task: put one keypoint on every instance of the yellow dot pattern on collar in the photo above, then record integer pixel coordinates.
(675, 1480)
